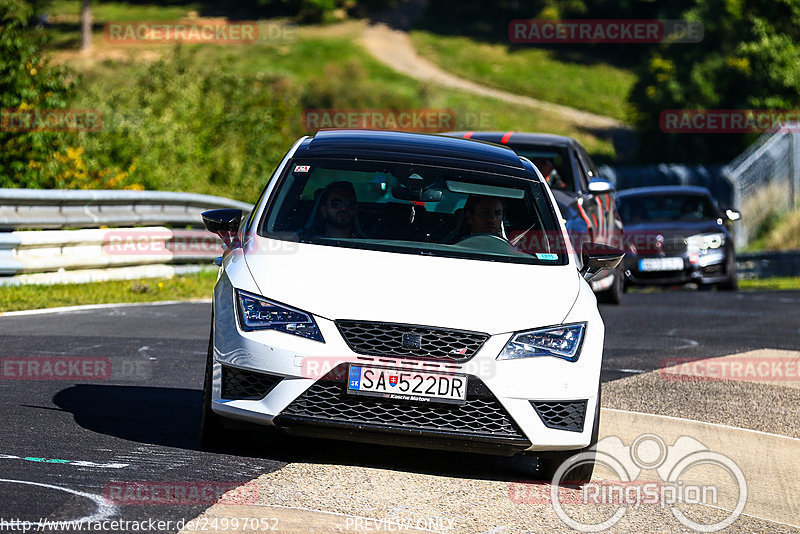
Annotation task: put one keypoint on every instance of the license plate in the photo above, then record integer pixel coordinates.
(661, 264)
(398, 384)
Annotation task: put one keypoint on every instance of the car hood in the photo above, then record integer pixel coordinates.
(672, 229)
(346, 283)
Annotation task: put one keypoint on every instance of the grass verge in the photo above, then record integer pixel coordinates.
(184, 287)
(770, 284)
(757, 284)
(200, 285)
(599, 88)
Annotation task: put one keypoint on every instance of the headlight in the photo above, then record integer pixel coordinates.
(558, 341)
(257, 313)
(706, 241)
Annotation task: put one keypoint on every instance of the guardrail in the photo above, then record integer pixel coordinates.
(768, 264)
(55, 250)
(34, 253)
(101, 242)
(58, 208)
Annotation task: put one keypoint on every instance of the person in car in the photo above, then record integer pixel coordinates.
(338, 207)
(484, 215)
(546, 167)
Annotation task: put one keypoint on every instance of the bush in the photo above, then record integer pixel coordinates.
(186, 126)
(746, 60)
(27, 159)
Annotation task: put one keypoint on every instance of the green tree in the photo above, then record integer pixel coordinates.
(185, 125)
(748, 59)
(27, 82)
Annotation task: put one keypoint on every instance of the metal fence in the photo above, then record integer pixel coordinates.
(768, 264)
(762, 180)
(765, 176)
(54, 236)
(22, 209)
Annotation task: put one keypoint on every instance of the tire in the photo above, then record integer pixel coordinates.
(582, 474)
(211, 430)
(732, 283)
(613, 295)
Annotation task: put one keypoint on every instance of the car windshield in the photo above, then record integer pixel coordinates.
(681, 207)
(546, 158)
(414, 209)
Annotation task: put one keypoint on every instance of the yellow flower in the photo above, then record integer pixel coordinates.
(33, 72)
(161, 284)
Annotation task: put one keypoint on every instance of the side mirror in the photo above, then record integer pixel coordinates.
(224, 223)
(600, 186)
(733, 215)
(598, 258)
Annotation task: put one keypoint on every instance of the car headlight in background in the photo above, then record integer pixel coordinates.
(706, 241)
(557, 341)
(257, 313)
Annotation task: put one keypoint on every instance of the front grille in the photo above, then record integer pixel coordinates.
(566, 415)
(241, 384)
(675, 246)
(411, 341)
(480, 417)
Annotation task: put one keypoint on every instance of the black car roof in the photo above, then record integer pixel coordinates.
(663, 190)
(412, 147)
(523, 138)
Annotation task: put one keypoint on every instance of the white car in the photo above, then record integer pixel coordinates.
(407, 289)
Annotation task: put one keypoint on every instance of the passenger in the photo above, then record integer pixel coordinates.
(338, 209)
(484, 215)
(545, 167)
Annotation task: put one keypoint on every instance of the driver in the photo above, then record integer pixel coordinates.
(338, 207)
(484, 215)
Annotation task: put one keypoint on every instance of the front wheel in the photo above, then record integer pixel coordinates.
(581, 473)
(211, 429)
(613, 295)
(732, 282)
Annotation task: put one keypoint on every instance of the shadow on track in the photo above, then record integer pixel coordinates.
(171, 417)
(155, 415)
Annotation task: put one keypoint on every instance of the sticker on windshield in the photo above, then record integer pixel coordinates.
(543, 256)
(302, 168)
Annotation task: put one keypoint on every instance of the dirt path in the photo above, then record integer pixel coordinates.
(393, 48)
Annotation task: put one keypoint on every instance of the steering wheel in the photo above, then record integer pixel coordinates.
(483, 234)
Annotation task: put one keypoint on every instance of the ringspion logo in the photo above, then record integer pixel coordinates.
(688, 472)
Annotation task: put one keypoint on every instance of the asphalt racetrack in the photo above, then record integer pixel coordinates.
(74, 449)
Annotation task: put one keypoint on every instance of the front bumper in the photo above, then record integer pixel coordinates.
(711, 268)
(277, 379)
